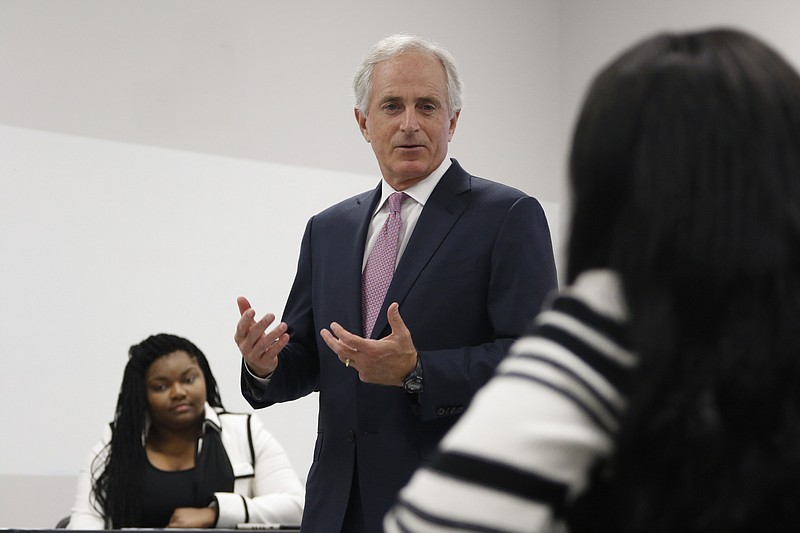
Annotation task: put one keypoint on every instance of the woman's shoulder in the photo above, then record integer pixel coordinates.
(222, 412)
(231, 417)
(237, 419)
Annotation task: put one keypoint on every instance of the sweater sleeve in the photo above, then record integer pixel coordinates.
(275, 495)
(84, 514)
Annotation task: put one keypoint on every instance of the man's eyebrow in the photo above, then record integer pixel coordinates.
(394, 98)
(388, 98)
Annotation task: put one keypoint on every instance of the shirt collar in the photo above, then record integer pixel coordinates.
(420, 191)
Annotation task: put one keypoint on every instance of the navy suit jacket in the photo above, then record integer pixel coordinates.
(474, 273)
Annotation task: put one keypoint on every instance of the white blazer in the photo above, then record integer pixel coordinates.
(266, 487)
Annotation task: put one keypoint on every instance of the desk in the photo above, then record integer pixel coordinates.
(283, 529)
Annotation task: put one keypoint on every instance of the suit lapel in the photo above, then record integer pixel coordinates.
(356, 222)
(442, 210)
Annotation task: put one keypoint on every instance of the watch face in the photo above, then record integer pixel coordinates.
(413, 383)
(412, 386)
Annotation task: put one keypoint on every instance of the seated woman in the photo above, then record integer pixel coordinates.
(660, 392)
(173, 457)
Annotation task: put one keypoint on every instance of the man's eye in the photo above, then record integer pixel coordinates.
(391, 107)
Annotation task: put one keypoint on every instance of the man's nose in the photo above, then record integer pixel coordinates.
(410, 121)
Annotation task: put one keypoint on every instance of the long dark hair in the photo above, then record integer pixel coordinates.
(685, 172)
(118, 486)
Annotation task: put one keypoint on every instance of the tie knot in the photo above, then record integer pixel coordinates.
(396, 201)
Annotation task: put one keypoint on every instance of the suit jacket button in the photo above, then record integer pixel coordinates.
(351, 435)
(440, 411)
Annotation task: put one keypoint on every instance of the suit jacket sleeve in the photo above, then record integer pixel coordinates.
(521, 275)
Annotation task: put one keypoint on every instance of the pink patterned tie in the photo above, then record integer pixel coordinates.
(379, 269)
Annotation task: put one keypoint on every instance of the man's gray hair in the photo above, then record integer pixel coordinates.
(395, 45)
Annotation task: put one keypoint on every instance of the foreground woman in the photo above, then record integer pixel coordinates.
(661, 391)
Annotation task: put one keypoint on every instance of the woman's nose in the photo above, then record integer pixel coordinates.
(177, 391)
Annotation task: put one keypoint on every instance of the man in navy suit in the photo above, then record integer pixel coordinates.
(473, 264)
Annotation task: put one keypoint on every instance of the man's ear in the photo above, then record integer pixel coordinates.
(361, 118)
(453, 122)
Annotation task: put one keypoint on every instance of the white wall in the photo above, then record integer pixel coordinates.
(270, 80)
(152, 154)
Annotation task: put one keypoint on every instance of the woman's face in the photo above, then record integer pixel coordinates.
(176, 391)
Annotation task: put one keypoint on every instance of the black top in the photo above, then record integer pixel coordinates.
(163, 492)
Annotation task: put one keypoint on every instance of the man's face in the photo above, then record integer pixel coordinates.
(408, 121)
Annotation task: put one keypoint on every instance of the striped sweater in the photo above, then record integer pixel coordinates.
(526, 445)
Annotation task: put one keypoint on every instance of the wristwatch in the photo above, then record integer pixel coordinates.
(413, 382)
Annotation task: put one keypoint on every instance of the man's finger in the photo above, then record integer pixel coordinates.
(244, 324)
(243, 304)
(348, 340)
(394, 318)
(333, 343)
(337, 345)
(260, 338)
(265, 322)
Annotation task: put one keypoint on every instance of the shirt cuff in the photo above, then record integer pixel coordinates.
(261, 381)
(231, 510)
